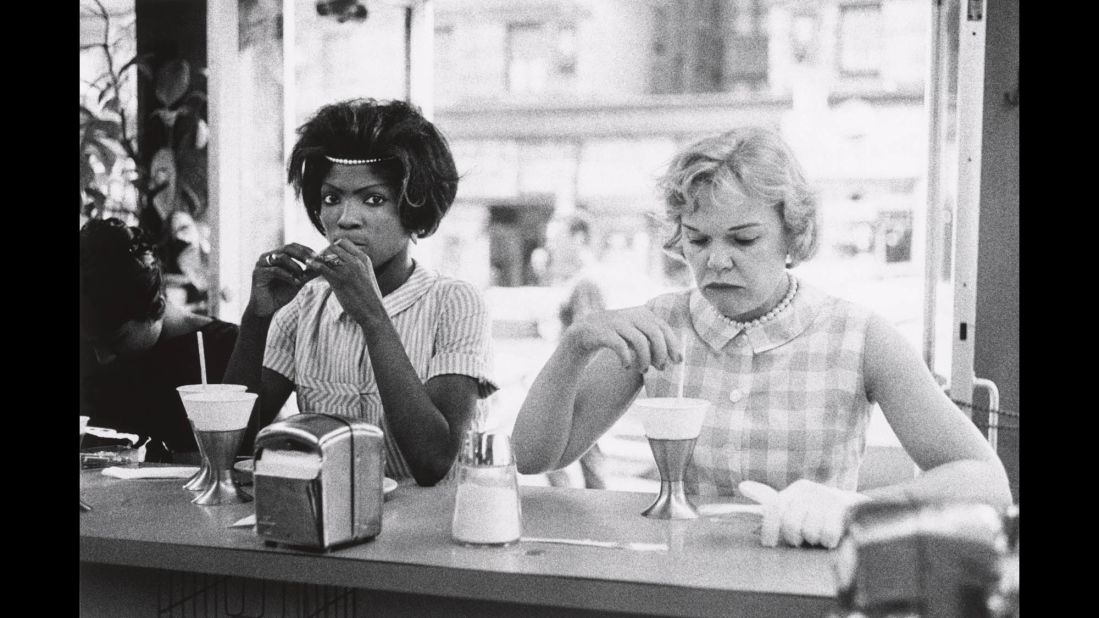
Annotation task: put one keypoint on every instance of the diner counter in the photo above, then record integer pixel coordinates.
(710, 567)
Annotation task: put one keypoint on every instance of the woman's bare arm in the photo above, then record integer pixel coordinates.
(957, 460)
(588, 384)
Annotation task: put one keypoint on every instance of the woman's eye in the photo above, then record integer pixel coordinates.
(700, 240)
(330, 199)
(374, 200)
(747, 241)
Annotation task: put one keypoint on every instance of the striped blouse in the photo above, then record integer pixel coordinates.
(315, 344)
(789, 397)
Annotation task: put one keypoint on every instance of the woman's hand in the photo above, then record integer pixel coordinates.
(805, 511)
(350, 272)
(636, 335)
(276, 278)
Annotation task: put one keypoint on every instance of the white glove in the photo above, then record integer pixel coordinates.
(805, 511)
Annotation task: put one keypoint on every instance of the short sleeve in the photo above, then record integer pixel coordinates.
(463, 341)
(278, 354)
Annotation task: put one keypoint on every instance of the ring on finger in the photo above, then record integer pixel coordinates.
(331, 259)
(269, 260)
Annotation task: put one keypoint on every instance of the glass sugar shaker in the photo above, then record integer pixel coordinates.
(487, 508)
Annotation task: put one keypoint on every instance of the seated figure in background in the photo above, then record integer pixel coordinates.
(136, 347)
(585, 296)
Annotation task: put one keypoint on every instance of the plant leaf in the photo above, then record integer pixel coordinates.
(87, 174)
(91, 199)
(98, 199)
(107, 156)
(141, 62)
(110, 128)
(202, 134)
(103, 77)
(87, 207)
(172, 81)
(95, 193)
(167, 116)
(103, 152)
(125, 66)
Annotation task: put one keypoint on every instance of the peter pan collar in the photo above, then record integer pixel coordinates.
(716, 331)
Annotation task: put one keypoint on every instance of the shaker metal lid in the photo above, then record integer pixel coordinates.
(485, 448)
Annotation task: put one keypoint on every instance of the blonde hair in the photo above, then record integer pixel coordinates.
(763, 165)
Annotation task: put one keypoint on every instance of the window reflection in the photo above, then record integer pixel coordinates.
(860, 39)
(559, 110)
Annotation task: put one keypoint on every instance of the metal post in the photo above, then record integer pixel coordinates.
(936, 94)
(290, 210)
(222, 52)
(993, 407)
(971, 57)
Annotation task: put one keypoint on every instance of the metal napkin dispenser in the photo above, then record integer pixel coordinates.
(318, 481)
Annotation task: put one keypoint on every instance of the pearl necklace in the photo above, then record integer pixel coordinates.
(770, 315)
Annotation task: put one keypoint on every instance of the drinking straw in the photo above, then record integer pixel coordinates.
(683, 368)
(201, 357)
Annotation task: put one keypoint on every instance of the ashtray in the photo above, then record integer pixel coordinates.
(105, 456)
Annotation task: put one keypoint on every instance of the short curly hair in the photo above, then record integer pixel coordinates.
(120, 278)
(763, 165)
(417, 162)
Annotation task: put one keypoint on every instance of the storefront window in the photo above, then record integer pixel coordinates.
(860, 41)
(594, 153)
(562, 114)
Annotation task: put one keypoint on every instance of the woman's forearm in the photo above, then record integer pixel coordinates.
(247, 357)
(420, 429)
(245, 367)
(967, 480)
(544, 426)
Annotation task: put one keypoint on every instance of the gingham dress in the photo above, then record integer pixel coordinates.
(789, 396)
(442, 323)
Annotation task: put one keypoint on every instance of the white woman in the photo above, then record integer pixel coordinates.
(792, 372)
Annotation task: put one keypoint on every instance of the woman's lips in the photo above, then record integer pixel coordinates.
(722, 286)
(360, 245)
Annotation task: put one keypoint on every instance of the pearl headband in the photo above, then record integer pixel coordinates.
(354, 161)
(339, 161)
